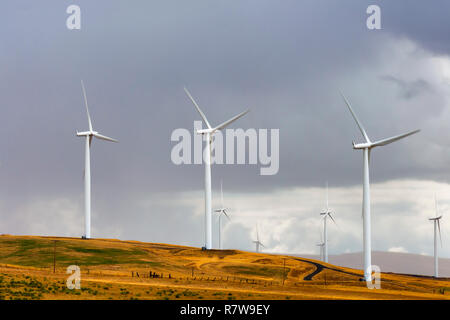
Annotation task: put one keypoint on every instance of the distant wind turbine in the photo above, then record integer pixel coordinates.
(208, 133)
(220, 212)
(366, 147)
(87, 170)
(437, 227)
(326, 214)
(257, 242)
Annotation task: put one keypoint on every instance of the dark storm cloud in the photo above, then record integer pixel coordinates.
(425, 23)
(408, 89)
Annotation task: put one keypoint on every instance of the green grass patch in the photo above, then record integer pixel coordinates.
(39, 253)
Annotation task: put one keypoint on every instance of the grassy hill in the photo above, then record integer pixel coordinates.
(113, 269)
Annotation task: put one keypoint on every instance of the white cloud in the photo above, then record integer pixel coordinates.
(398, 250)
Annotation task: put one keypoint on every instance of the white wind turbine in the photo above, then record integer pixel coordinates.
(208, 133)
(257, 242)
(366, 147)
(87, 170)
(220, 212)
(326, 214)
(437, 227)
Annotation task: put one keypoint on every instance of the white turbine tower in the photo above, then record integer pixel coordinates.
(220, 212)
(437, 227)
(326, 214)
(208, 133)
(257, 242)
(87, 170)
(366, 147)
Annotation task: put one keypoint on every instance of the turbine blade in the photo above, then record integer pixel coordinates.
(221, 192)
(329, 214)
(86, 104)
(224, 124)
(439, 228)
(436, 205)
(90, 141)
(198, 108)
(100, 136)
(392, 139)
(360, 126)
(327, 196)
(257, 233)
(226, 215)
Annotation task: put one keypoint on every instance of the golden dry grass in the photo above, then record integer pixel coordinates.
(110, 269)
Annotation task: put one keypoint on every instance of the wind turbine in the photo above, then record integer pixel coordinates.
(220, 212)
(437, 226)
(326, 214)
(87, 170)
(208, 133)
(367, 147)
(257, 242)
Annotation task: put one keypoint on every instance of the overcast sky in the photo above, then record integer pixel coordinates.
(286, 61)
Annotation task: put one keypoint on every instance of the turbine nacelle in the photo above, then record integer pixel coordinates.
(435, 218)
(95, 134)
(362, 145)
(86, 133)
(203, 131)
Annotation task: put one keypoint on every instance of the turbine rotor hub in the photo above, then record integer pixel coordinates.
(362, 145)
